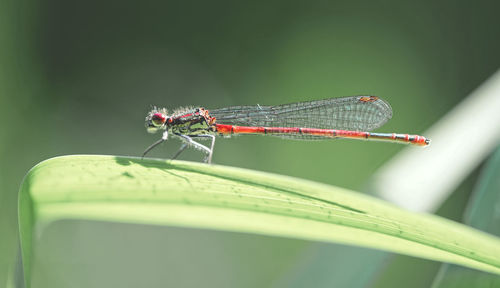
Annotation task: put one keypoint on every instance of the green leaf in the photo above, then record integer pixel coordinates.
(483, 214)
(185, 194)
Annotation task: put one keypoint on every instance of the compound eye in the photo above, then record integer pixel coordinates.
(158, 119)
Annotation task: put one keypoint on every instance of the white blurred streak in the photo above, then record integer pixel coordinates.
(420, 179)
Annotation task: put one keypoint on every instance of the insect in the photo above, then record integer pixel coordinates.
(346, 117)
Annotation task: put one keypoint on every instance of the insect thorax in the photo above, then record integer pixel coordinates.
(193, 122)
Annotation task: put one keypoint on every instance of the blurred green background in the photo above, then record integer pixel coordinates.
(78, 77)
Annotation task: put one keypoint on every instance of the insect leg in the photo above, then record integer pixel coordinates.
(183, 147)
(209, 156)
(194, 143)
(164, 138)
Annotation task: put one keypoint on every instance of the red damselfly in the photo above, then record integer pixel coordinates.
(347, 117)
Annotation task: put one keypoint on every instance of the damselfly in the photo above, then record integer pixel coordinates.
(347, 117)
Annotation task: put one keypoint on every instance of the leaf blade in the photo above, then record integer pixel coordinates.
(187, 194)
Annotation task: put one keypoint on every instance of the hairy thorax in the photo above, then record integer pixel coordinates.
(193, 122)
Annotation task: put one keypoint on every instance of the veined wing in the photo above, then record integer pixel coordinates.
(360, 113)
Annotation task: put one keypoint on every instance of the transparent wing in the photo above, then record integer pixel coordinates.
(360, 113)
